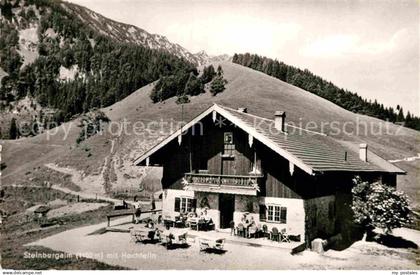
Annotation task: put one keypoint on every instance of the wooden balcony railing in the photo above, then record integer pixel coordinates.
(216, 179)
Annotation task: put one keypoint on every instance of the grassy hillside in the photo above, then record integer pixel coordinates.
(317, 85)
(109, 158)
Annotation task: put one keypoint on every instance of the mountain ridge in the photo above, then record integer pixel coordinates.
(128, 33)
(133, 34)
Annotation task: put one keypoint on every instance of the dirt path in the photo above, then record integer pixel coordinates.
(82, 195)
(90, 184)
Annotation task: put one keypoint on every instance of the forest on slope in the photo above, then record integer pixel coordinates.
(310, 82)
(104, 70)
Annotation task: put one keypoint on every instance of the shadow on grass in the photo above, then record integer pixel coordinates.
(175, 246)
(214, 251)
(150, 241)
(100, 231)
(394, 241)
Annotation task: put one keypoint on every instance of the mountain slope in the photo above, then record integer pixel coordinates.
(53, 54)
(129, 33)
(317, 85)
(132, 34)
(109, 157)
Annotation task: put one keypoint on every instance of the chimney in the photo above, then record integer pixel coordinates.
(280, 120)
(363, 152)
(242, 110)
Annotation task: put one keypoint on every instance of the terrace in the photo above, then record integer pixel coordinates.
(115, 247)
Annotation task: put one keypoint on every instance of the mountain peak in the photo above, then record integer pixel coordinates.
(204, 58)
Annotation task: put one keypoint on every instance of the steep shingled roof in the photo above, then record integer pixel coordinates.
(317, 150)
(311, 151)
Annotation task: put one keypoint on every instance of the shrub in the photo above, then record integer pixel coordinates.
(217, 85)
(91, 124)
(182, 99)
(376, 205)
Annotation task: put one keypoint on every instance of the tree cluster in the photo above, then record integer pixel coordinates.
(91, 124)
(218, 83)
(312, 83)
(185, 83)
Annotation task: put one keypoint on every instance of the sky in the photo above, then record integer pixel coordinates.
(368, 47)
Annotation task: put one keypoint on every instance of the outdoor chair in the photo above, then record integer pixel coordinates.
(179, 222)
(275, 235)
(240, 230)
(137, 235)
(284, 236)
(194, 224)
(182, 239)
(265, 233)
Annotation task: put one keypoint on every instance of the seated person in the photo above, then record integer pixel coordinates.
(181, 216)
(192, 213)
(252, 230)
(205, 216)
(150, 224)
(210, 224)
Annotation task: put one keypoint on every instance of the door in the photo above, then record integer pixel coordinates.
(226, 208)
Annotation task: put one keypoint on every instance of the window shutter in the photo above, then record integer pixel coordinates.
(283, 214)
(177, 204)
(263, 212)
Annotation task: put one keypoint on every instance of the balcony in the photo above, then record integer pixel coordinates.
(216, 183)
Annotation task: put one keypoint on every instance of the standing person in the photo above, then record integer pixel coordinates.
(153, 202)
(232, 228)
(137, 212)
(251, 223)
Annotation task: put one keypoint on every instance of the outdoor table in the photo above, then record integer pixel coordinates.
(174, 235)
(211, 243)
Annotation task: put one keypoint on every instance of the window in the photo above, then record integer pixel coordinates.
(229, 147)
(184, 204)
(276, 213)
